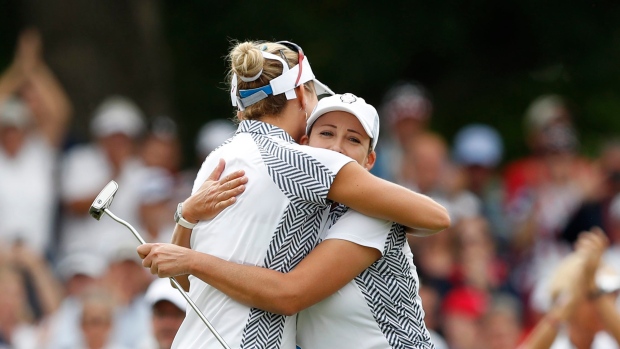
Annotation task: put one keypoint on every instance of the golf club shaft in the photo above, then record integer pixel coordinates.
(175, 282)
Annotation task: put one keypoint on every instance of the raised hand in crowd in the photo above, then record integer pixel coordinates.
(584, 314)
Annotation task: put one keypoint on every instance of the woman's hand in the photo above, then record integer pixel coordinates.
(214, 195)
(166, 260)
(591, 245)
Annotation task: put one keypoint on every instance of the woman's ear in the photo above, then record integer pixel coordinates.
(300, 91)
(305, 140)
(370, 160)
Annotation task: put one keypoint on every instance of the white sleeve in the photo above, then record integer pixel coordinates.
(362, 230)
(332, 160)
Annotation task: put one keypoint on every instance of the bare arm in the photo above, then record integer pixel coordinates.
(330, 266)
(543, 335)
(593, 244)
(48, 290)
(606, 308)
(357, 188)
(54, 107)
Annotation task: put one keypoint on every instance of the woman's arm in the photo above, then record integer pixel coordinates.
(213, 196)
(606, 308)
(330, 266)
(359, 189)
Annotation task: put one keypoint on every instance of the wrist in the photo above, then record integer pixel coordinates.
(188, 212)
(179, 218)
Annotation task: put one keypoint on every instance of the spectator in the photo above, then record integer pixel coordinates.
(478, 150)
(34, 111)
(583, 294)
(30, 295)
(545, 188)
(462, 313)
(407, 111)
(127, 281)
(168, 306)
(81, 273)
(477, 262)
(116, 126)
(163, 184)
(17, 325)
(426, 168)
(502, 324)
(603, 209)
(212, 135)
(96, 321)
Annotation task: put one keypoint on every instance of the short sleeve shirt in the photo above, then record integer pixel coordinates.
(273, 224)
(380, 308)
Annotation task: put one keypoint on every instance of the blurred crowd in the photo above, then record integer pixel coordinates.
(522, 253)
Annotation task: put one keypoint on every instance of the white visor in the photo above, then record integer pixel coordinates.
(285, 83)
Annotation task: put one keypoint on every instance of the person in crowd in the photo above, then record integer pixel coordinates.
(364, 249)
(163, 183)
(97, 320)
(34, 112)
(212, 135)
(17, 324)
(544, 189)
(80, 273)
(168, 311)
(603, 208)
(582, 300)
(462, 311)
(477, 262)
(502, 325)
(426, 168)
(30, 296)
(274, 88)
(86, 169)
(477, 150)
(407, 110)
(126, 281)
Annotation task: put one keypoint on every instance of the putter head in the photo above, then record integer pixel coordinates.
(103, 200)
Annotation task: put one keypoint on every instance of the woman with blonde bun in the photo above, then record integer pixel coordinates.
(279, 211)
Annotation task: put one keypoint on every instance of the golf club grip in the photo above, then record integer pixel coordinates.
(174, 281)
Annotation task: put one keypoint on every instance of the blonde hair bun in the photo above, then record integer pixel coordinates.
(246, 60)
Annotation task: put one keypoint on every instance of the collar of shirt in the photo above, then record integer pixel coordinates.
(259, 127)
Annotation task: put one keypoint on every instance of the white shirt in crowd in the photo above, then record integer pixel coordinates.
(273, 224)
(28, 199)
(85, 171)
(379, 309)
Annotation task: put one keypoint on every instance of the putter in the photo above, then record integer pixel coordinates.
(101, 205)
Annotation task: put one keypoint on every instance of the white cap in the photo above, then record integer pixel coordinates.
(117, 115)
(14, 113)
(162, 290)
(212, 135)
(124, 251)
(348, 102)
(81, 263)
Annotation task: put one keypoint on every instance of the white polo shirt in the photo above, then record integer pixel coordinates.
(380, 308)
(28, 195)
(273, 224)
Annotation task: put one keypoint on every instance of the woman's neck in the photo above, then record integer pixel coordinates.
(289, 120)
